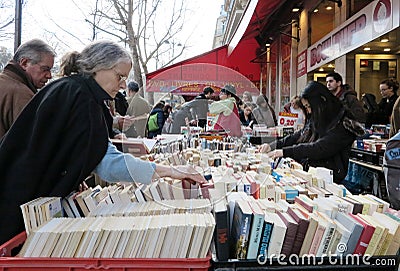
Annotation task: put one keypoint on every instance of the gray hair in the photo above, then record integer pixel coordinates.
(33, 50)
(98, 55)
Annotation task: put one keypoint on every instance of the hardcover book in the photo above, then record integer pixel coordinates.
(240, 232)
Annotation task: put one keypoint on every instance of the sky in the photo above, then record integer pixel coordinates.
(43, 18)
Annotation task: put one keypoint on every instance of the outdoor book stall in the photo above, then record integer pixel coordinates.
(254, 214)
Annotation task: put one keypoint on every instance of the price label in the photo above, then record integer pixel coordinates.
(287, 119)
(210, 121)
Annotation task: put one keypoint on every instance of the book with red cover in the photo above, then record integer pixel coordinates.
(291, 231)
(303, 223)
(303, 203)
(365, 237)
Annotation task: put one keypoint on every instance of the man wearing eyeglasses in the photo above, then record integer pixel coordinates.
(28, 71)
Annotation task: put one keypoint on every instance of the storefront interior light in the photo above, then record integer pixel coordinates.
(321, 69)
(316, 10)
(331, 66)
(328, 7)
(386, 50)
(367, 48)
(295, 9)
(384, 39)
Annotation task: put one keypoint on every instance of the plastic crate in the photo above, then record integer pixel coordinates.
(8, 263)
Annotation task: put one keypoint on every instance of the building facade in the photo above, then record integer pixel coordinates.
(299, 41)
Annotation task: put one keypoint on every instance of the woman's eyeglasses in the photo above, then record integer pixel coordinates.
(120, 76)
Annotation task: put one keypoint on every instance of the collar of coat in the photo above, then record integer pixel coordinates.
(14, 68)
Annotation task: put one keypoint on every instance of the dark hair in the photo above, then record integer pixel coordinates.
(247, 104)
(133, 86)
(208, 90)
(325, 107)
(167, 107)
(160, 104)
(335, 76)
(391, 83)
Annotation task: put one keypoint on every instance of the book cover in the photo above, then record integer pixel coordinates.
(291, 232)
(221, 232)
(393, 244)
(265, 237)
(319, 234)
(377, 238)
(308, 238)
(357, 206)
(303, 201)
(256, 229)
(327, 236)
(303, 223)
(355, 229)
(277, 235)
(240, 232)
(366, 235)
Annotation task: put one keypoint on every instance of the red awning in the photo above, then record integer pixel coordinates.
(216, 67)
(253, 21)
(213, 68)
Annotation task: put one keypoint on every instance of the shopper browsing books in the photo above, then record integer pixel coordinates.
(326, 139)
(61, 137)
(227, 112)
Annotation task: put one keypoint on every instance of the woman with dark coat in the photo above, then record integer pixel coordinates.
(326, 139)
(61, 137)
(246, 116)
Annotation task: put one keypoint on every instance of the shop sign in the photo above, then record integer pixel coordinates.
(369, 23)
(302, 63)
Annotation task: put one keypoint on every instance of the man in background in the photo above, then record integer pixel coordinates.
(334, 82)
(199, 106)
(139, 108)
(28, 71)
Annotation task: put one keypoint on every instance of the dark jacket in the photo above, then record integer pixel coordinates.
(243, 119)
(55, 143)
(330, 150)
(199, 107)
(386, 109)
(350, 101)
(160, 122)
(121, 104)
(179, 119)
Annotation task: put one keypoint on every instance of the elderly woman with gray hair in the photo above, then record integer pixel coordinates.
(61, 137)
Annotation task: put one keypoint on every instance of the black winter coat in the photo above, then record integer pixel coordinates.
(55, 143)
(331, 150)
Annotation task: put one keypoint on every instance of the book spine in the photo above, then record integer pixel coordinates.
(222, 236)
(265, 238)
(326, 241)
(255, 236)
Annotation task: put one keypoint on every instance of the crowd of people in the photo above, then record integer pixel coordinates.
(52, 139)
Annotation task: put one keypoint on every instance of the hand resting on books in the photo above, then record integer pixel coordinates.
(275, 154)
(181, 172)
(264, 148)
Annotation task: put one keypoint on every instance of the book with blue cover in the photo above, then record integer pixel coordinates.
(240, 233)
